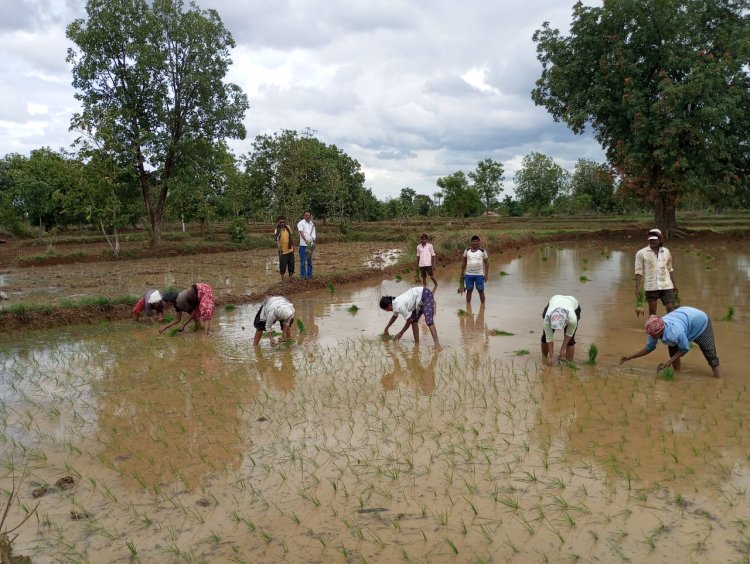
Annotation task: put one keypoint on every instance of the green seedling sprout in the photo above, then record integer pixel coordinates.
(730, 313)
(593, 352)
(353, 308)
(667, 374)
(462, 312)
(229, 307)
(500, 333)
(640, 303)
(300, 325)
(584, 279)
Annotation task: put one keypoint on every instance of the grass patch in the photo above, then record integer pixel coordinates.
(667, 374)
(593, 352)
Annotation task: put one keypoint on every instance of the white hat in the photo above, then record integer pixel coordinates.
(155, 297)
(285, 311)
(654, 234)
(558, 318)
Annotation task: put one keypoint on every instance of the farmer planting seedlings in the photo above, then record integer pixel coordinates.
(561, 312)
(677, 330)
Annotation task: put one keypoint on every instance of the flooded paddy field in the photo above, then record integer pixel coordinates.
(343, 447)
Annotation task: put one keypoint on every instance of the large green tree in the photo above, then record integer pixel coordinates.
(664, 86)
(592, 185)
(460, 199)
(538, 182)
(289, 172)
(488, 180)
(150, 76)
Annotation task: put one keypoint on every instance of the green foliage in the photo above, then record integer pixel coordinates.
(665, 88)
(538, 182)
(667, 374)
(730, 314)
(229, 307)
(150, 80)
(488, 181)
(300, 325)
(501, 333)
(353, 308)
(593, 352)
(289, 172)
(237, 233)
(459, 199)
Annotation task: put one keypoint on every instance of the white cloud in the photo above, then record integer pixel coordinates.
(413, 91)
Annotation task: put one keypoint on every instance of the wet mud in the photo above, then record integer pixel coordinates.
(341, 446)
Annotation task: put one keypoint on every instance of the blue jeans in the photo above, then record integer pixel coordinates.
(305, 262)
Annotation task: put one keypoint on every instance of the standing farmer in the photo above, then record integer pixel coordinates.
(307, 235)
(285, 245)
(475, 268)
(426, 260)
(653, 273)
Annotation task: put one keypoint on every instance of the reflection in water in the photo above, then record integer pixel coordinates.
(413, 372)
(275, 368)
(174, 415)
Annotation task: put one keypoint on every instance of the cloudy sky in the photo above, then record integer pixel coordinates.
(414, 90)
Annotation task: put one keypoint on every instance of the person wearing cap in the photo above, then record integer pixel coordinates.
(273, 309)
(197, 301)
(412, 304)
(654, 273)
(677, 329)
(563, 313)
(151, 302)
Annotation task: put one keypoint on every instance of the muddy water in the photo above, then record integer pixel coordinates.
(343, 446)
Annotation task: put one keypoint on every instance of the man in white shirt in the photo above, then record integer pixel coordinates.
(654, 273)
(475, 268)
(306, 230)
(412, 304)
(561, 312)
(275, 308)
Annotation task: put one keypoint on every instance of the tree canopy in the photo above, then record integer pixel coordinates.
(290, 172)
(150, 77)
(488, 181)
(664, 86)
(538, 182)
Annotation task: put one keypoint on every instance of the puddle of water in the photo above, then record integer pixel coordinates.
(343, 445)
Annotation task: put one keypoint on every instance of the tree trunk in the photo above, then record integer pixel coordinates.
(665, 206)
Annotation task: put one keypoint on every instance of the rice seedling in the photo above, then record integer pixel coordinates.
(640, 303)
(331, 287)
(300, 325)
(521, 352)
(593, 352)
(730, 314)
(503, 273)
(353, 309)
(584, 278)
(229, 307)
(667, 374)
(462, 312)
(500, 333)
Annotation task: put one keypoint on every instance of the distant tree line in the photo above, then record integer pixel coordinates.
(663, 84)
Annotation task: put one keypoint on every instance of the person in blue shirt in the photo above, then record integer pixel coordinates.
(677, 330)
